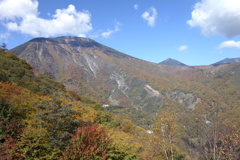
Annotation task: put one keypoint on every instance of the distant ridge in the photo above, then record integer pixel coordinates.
(227, 61)
(172, 62)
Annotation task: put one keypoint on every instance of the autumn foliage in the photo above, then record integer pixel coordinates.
(88, 142)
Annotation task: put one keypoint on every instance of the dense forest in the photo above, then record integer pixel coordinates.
(41, 119)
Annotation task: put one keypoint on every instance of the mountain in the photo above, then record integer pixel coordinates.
(81, 64)
(105, 75)
(97, 71)
(110, 77)
(227, 61)
(173, 62)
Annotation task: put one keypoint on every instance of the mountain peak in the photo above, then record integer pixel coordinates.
(173, 62)
(227, 61)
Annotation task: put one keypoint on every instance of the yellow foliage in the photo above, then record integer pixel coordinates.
(9, 90)
(34, 143)
(86, 114)
(124, 140)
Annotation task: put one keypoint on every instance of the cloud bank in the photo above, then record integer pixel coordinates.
(217, 17)
(150, 16)
(23, 16)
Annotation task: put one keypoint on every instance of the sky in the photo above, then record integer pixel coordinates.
(195, 32)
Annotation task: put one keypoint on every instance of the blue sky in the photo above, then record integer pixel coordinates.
(195, 32)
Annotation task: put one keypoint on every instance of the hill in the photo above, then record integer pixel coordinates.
(173, 62)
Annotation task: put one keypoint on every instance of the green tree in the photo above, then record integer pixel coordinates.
(4, 46)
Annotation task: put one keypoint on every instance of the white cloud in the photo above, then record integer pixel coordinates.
(12, 9)
(135, 6)
(230, 44)
(109, 32)
(217, 17)
(23, 17)
(150, 16)
(183, 48)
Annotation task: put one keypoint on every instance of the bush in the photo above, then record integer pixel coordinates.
(3, 76)
(88, 143)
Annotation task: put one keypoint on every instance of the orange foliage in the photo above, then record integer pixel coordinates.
(8, 90)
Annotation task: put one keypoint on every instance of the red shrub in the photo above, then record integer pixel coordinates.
(88, 143)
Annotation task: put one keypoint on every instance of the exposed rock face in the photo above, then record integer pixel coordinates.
(187, 99)
(151, 91)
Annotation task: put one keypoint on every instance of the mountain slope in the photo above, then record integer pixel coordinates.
(22, 74)
(75, 61)
(38, 119)
(173, 62)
